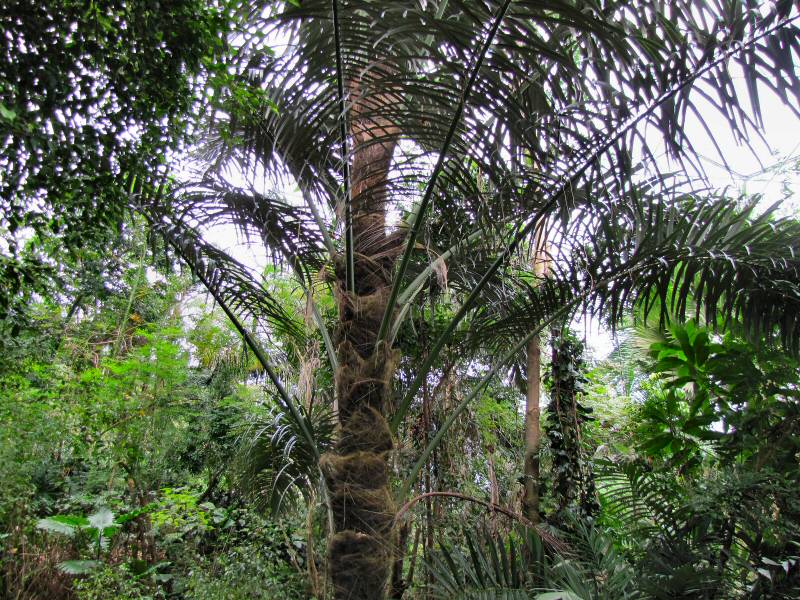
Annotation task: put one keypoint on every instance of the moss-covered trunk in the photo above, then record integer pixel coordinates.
(357, 473)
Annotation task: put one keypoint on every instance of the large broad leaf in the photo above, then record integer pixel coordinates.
(79, 567)
(103, 526)
(63, 524)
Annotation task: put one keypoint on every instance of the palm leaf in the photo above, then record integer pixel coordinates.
(220, 275)
(545, 87)
(283, 229)
(275, 461)
(715, 257)
(480, 572)
(228, 280)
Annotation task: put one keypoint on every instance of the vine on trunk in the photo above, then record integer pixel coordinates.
(573, 485)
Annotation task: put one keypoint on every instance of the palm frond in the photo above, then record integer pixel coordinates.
(490, 568)
(229, 281)
(559, 81)
(732, 262)
(343, 127)
(289, 233)
(640, 501)
(595, 571)
(501, 567)
(716, 257)
(275, 462)
(218, 272)
(654, 508)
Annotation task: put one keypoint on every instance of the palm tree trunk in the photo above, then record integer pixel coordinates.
(530, 500)
(533, 432)
(360, 552)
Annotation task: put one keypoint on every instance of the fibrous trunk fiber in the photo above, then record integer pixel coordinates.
(357, 474)
(362, 549)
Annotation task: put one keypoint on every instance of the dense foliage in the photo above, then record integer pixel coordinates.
(93, 95)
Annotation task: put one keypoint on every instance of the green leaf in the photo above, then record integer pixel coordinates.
(682, 335)
(700, 421)
(79, 567)
(701, 348)
(657, 442)
(102, 519)
(699, 402)
(710, 436)
(7, 113)
(63, 524)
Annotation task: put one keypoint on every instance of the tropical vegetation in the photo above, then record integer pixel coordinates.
(382, 392)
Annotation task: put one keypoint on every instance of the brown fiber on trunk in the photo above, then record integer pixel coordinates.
(362, 548)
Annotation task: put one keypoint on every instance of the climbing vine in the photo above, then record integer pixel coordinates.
(573, 482)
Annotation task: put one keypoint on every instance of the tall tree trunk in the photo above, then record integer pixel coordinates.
(533, 432)
(357, 472)
(494, 492)
(530, 500)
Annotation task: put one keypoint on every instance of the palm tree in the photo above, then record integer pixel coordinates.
(499, 115)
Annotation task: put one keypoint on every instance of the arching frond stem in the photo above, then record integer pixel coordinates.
(326, 336)
(273, 376)
(348, 201)
(411, 238)
(326, 236)
(251, 343)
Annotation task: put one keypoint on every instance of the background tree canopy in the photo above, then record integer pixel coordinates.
(92, 96)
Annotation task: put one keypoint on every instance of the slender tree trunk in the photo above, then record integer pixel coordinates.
(428, 486)
(360, 552)
(533, 432)
(399, 585)
(413, 562)
(494, 492)
(530, 500)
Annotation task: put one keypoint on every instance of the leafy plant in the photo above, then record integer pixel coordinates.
(521, 567)
(275, 462)
(491, 568)
(98, 529)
